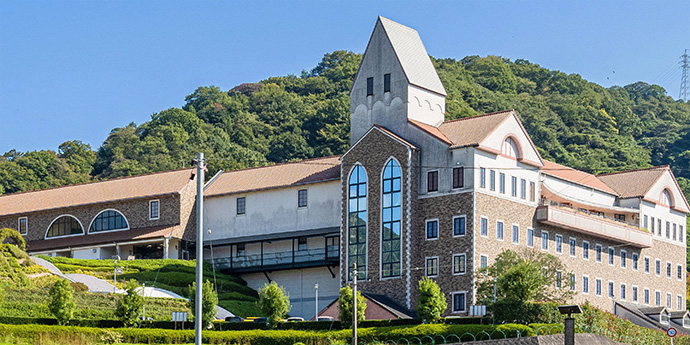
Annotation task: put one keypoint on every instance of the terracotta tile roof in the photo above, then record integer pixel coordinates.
(132, 187)
(633, 183)
(435, 132)
(576, 176)
(275, 176)
(471, 131)
(108, 237)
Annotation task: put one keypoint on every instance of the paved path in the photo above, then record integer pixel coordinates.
(94, 284)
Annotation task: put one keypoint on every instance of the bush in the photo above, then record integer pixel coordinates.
(345, 306)
(16, 237)
(274, 303)
(209, 301)
(525, 312)
(130, 305)
(431, 301)
(62, 304)
(79, 287)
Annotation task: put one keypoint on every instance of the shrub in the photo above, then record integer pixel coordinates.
(525, 312)
(345, 306)
(79, 287)
(431, 301)
(16, 237)
(130, 305)
(62, 304)
(209, 301)
(274, 303)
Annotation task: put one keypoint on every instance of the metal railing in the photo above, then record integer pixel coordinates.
(547, 202)
(285, 259)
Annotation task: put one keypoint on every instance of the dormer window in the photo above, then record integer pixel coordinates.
(387, 82)
(686, 321)
(663, 318)
(666, 198)
(370, 86)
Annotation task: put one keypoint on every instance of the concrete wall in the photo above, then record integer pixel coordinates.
(665, 214)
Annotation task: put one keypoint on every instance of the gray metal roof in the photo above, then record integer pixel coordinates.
(412, 55)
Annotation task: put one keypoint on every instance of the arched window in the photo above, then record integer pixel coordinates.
(108, 220)
(64, 226)
(510, 148)
(357, 222)
(392, 213)
(666, 198)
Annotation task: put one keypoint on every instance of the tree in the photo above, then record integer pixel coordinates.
(209, 301)
(345, 306)
(61, 303)
(274, 303)
(130, 305)
(431, 302)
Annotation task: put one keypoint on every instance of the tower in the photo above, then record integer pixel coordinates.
(685, 65)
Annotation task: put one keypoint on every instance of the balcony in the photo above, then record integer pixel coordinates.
(260, 262)
(562, 216)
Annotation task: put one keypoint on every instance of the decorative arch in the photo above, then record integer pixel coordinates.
(108, 220)
(511, 147)
(64, 225)
(357, 221)
(391, 219)
(666, 197)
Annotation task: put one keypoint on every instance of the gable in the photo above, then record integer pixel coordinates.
(510, 129)
(667, 182)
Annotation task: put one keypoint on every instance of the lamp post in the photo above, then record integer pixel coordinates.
(569, 329)
(316, 302)
(354, 305)
(143, 291)
(117, 257)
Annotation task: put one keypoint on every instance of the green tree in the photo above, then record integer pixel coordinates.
(209, 301)
(345, 306)
(130, 305)
(274, 303)
(61, 301)
(431, 302)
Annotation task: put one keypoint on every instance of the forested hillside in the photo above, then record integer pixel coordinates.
(572, 121)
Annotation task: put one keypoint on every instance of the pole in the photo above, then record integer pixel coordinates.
(354, 304)
(199, 245)
(143, 310)
(316, 302)
(117, 257)
(569, 332)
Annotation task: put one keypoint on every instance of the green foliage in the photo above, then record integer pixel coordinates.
(512, 311)
(18, 239)
(274, 303)
(61, 303)
(346, 305)
(130, 305)
(209, 301)
(431, 302)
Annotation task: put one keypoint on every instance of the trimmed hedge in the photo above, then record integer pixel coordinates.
(525, 312)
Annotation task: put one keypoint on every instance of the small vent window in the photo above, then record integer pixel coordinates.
(387, 82)
(370, 86)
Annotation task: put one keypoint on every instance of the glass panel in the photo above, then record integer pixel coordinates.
(391, 216)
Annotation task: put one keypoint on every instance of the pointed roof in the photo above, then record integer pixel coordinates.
(470, 131)
(633, 183)
(575, 176)
(433, 131)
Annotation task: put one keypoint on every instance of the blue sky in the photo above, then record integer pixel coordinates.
(77, 69)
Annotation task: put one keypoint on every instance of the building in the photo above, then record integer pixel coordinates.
(145, 217)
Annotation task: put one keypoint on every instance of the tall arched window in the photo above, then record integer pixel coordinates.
(391, 214)
(357, 222)
(64, 226)
(666, 198)
(108, 220)
(510, 148)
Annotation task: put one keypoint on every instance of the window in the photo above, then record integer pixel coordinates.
(482, 178)
(513, 186)
(679, 302)
(499, 230)
(585, 250)
(431, 229)
(623, 291)
(483, 227)
(530, 237)
(666, 199)
(459, 302)
(459, 263)
(652, 229)
(668, 270)
(620, 217)
(572, 281)
(64, 226)
(387, 82)
(432, 181)
(658, 267)
(391, 207)
(458, 177)
(459, 225)
(483, 261)
(516, 234)
(664, 317)
(668, 229)
(680, 233)
(585, 284)
(612, 252)
(658, 227)
(510, 148)
(523, 189)
(571, 249)
(668, 300)
(646, 264)
(611, 292)
(302, 243)
(502, 183)
(532, 191)
(22, 225)
(635, 259)
(645, 296)
(432, 267)
(597, 252)
(646, 222)
(559, 279)
(559, 244)
(241, 206)
(634, 294)
(370, 86)
(492, 180)
(240, 250)
(357, 222)
(597, 287)
(302, 198)
(154, 209)
(624, 257)
(679, 274)
(108, 220)
(657, 298)
(674, 231)
(544, 240)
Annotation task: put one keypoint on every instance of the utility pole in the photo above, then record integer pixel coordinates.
(684, 80)
(354, 305)
(199, 245)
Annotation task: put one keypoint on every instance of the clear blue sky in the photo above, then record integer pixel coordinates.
(77, 69)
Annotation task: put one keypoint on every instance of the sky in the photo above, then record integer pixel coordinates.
(74, 70)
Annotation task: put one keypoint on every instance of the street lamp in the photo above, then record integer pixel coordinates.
(569, 331)
(116, 257)
(316, 302)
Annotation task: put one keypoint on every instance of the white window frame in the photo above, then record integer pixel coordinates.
(679, 270)
(503, 230)
(464, 269)
(527, 240)
(558, 250)
(657, 267)
(583, 284)
(426, 266)
(635, 262)
(19, 227)
(492, 180)
(572, 281)
(453, 225)
(647, 264)
(480, 260)
(426, 229)
(623, 291)
(624, 257)
(480, 226)
(669, 300)
(679, 302)
(634, 290)
(515, 228)
(559, 279)
(646, 296)
(611, 289)
(158, 216)
(657, 302)
(601, 286)
(669, 270)
(452, 302)
(572, 249)
(541, 235)
(585, 251)
(612, 255)
(598, 249)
